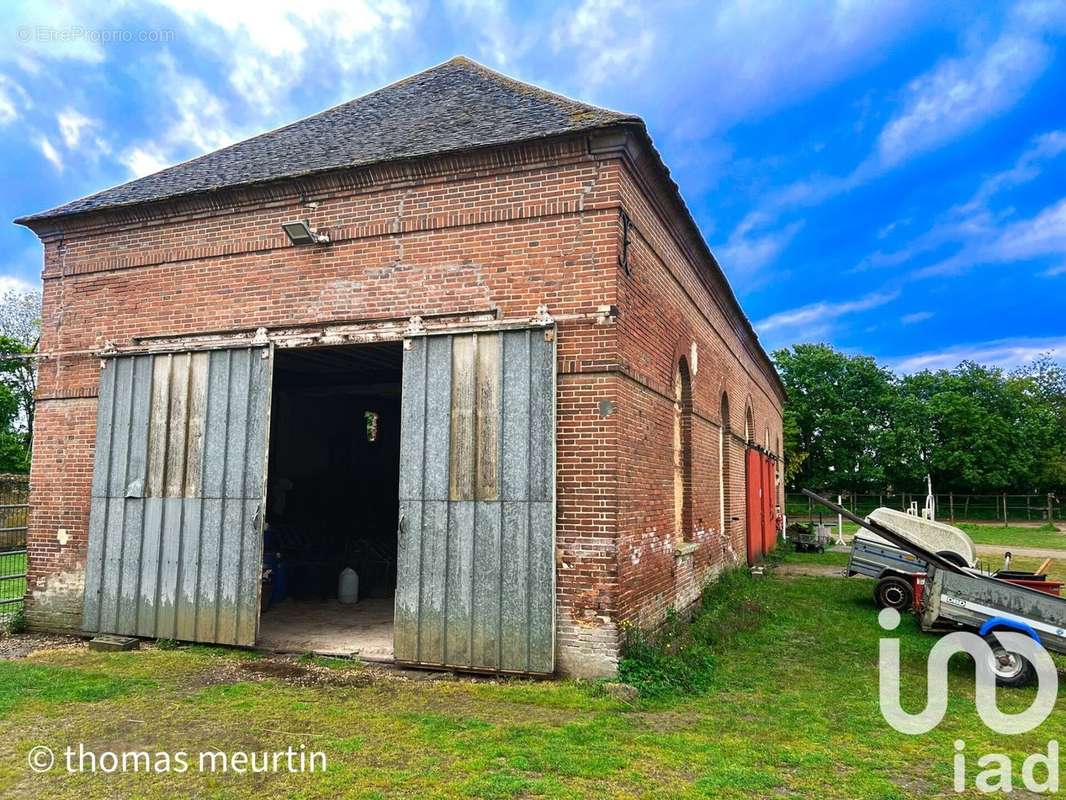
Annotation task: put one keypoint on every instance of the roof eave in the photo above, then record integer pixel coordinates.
(52, 221)
(634, 143)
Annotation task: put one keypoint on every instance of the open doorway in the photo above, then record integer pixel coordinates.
(333, 501)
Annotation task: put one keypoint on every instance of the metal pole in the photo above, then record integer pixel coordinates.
(840, 523)
(1004, 509)
(951, 505)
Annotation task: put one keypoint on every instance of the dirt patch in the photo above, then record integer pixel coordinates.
(284, 670)
(20, 645)
(290, 670)
(810, 570)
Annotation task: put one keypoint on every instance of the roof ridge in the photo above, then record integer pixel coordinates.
(515, 83)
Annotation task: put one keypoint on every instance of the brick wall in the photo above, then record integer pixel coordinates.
(508, 230)
(668, 313)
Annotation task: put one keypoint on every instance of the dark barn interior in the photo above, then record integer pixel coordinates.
(332, 498)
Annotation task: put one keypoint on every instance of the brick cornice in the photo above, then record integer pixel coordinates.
(634, 147)
(317, 186)
(338, 235)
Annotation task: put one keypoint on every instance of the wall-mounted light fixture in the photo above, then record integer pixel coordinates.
(300, 232)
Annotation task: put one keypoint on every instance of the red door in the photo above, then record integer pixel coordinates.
(753, 505)
(769, 528)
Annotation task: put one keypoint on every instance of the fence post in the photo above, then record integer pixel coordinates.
(1004, 509)
(1049, 513)
(951, 505)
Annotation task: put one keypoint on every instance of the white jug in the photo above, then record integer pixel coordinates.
(348, 586)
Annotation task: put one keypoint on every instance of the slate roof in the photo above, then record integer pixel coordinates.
(458, 105)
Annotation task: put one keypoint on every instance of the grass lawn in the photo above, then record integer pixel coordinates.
(791, 711)
(998, 535)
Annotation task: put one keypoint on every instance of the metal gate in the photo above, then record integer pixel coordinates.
(476, 568)
(175, 529)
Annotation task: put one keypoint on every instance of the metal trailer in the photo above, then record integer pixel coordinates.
(954, 598)
(892, 567)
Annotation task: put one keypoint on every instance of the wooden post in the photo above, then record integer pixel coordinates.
(1027, 517)
(1004, 509)
(951, 505)
(1049, 507)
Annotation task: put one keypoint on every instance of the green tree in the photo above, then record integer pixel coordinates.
(14, 454)
(841, 406)
(851, 425)
(19, 335)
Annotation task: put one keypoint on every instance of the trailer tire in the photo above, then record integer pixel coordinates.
(955, 558)
(1011, 669)
(894, 592)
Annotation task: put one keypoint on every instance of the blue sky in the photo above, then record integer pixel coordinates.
(886, 177)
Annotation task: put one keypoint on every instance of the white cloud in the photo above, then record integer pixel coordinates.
(12, 98)
(10, 283)
(270, 44)
(49, 151)
(198, 123)
(725, 61)
(750, 247)
(144, 160)
(1006, 353)
(816, 320)
(944, 104)
(501, 40)
(973, 227)
(961, 94)
(1054, 272)
(916, 317)
(72, 123)
(1041, 235)
(612, 37)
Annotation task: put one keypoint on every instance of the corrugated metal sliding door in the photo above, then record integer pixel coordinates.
(476, 567)
(175, 529)
(753, 504)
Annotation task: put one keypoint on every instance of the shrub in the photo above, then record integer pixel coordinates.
(678, 657)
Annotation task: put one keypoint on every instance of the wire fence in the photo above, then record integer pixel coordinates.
(14, 512)
(1003, 508)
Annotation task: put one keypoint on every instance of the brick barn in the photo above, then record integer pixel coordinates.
(461, 335)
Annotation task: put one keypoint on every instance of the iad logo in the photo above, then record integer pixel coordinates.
(996, 769)
(1015, 646)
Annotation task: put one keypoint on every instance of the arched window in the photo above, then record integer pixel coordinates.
(749, 426)
(724, 436)
(683, 451)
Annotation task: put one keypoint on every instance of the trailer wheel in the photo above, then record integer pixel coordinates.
(1011, 669)
(953, 557)
(894, 592)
